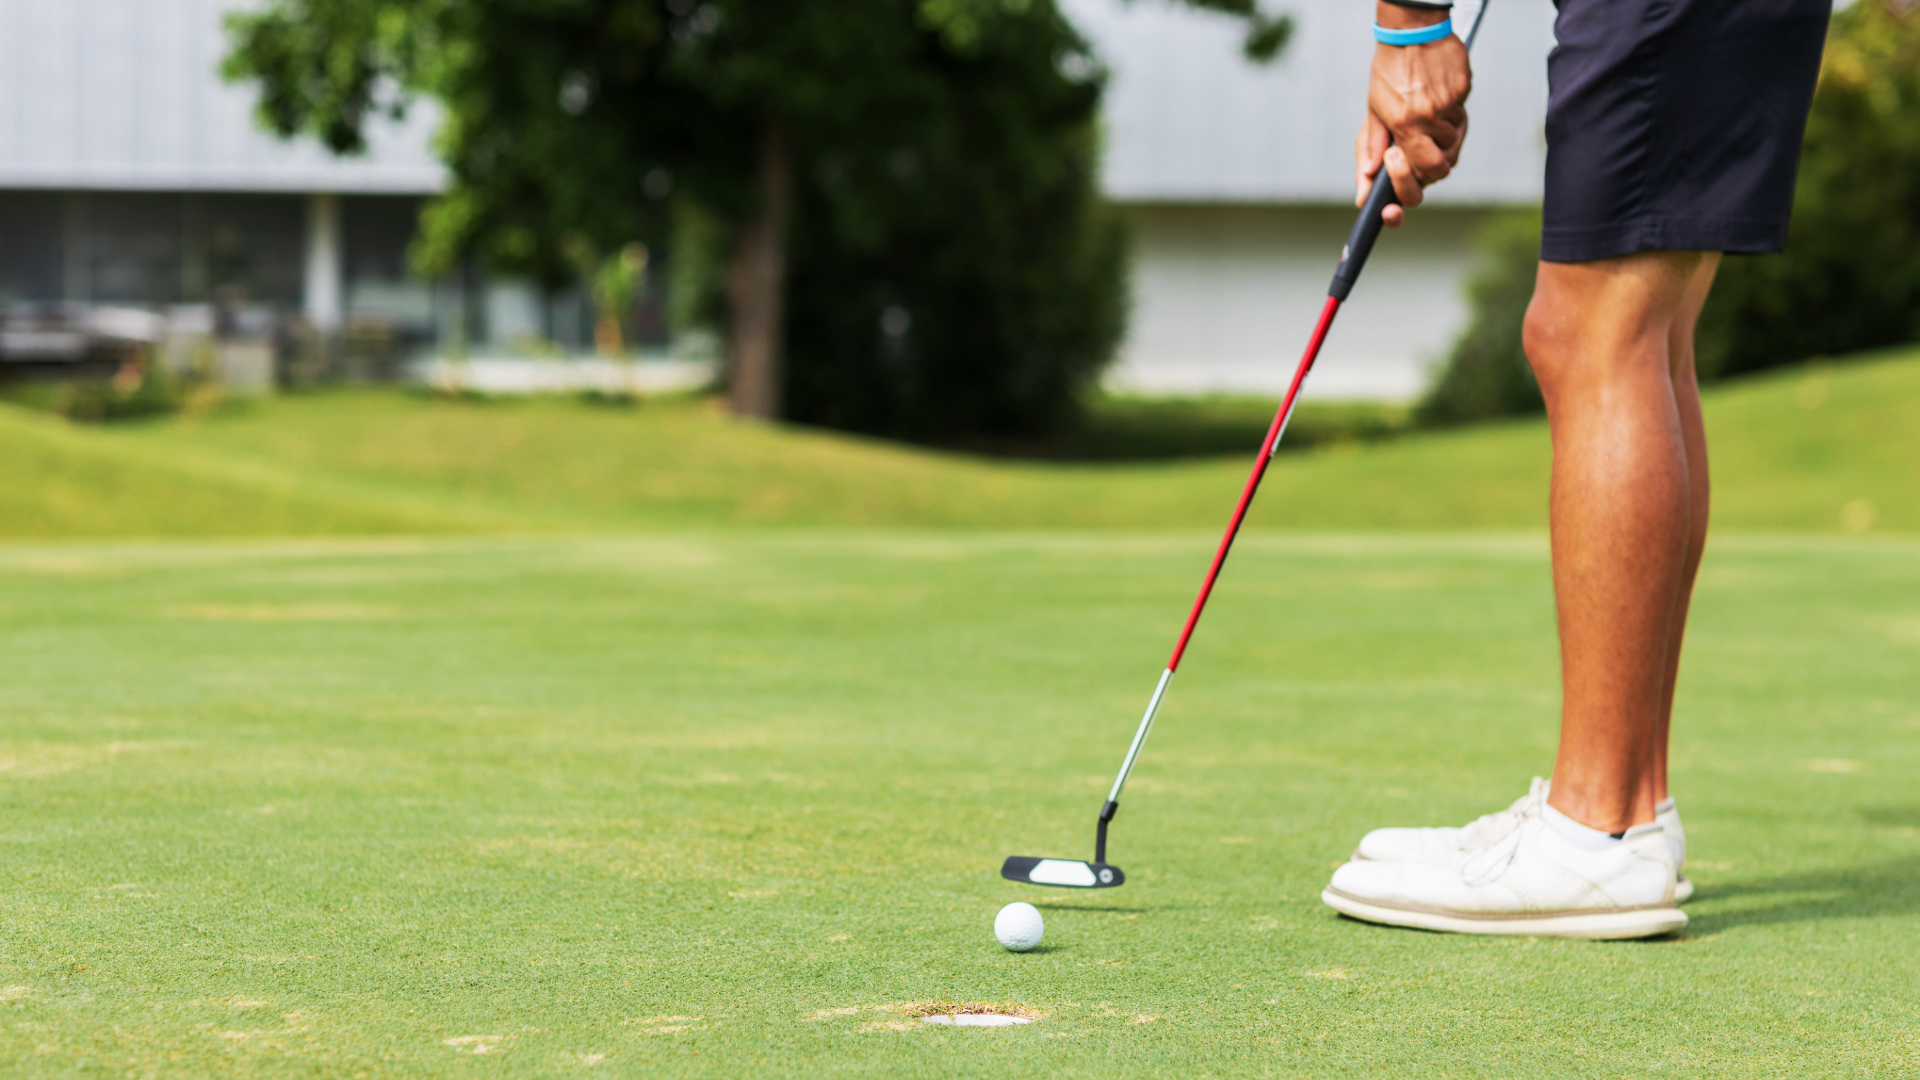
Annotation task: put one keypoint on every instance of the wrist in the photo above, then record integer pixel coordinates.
(1425, 35)
(1396, 16)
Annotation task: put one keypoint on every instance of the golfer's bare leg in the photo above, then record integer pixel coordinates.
(1693, 431)
(1599, 337)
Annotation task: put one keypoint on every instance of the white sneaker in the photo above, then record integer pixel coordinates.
(1530, 881)
(1669, 820)
(1439, 843)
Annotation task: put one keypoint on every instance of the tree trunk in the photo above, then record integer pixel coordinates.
(756, 285)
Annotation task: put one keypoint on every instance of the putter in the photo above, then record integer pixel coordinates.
(1099, 873)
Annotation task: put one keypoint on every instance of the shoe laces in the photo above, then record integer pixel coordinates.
(1487, 859)
(1490, 828)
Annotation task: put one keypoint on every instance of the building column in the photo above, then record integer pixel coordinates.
(325, 264)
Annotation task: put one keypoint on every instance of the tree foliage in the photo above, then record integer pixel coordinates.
(921, 174)
(1850, 277)
(1848, 280)
(962, 276)
(1487, 374)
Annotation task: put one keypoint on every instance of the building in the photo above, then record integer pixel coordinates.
(1239, 180)
(133, 180)
(131, 177)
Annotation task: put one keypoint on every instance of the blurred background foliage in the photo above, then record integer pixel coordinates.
(929, 170)
(1487, 375)
(1849, 279)
(138, 391)
(951, 273)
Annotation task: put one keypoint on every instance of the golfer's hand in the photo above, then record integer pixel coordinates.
(1416, 112)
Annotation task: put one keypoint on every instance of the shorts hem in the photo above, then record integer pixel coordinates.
(1734, 236)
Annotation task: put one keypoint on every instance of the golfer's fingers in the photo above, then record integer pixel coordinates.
(1449, 129)
(1453, 152)
(1368, 147)
(1393, 216)
(1361, 164)
(1427, 156)
(1406, 186)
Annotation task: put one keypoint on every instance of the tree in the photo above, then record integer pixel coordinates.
(919, 175)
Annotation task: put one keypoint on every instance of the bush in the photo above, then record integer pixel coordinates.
(1850, 277)
(140, 391)
(1486, 375)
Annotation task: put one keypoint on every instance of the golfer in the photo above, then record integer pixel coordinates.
(1673, 137)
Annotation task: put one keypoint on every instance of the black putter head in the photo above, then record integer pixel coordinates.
(1062, 873)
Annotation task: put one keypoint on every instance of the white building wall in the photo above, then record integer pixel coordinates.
(1225, 297)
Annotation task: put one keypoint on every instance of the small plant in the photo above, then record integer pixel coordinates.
(613, 282)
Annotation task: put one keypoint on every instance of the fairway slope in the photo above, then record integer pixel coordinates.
(1824, 448)
(66, 480)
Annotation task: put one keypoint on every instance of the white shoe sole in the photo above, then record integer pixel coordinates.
(1601, 925)
(1682, 888)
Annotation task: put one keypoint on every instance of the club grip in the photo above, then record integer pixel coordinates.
(1366, 229)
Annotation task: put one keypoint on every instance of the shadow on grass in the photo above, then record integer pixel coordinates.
(1894, 817)
(1137, 909)
(1856, 892)
(1343, 917)
(1158, 429)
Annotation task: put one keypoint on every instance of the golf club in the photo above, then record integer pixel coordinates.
(1100, 874)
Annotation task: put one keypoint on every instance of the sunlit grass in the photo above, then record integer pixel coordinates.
(731, 804)
(1826, 449)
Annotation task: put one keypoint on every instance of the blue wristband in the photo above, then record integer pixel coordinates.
(1413, 37)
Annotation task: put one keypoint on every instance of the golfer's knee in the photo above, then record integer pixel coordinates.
(1550, 336)
(1580, 346)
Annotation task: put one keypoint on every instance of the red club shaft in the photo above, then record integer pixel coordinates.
(1274, 432)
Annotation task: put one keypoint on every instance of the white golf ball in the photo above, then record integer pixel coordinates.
(1019, 926)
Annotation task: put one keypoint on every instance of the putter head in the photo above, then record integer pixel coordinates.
(1062, 873)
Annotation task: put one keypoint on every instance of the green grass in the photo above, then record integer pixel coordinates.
(324, 808)
(643, 743)
(388, 463)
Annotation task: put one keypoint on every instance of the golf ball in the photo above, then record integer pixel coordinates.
(1019, 926)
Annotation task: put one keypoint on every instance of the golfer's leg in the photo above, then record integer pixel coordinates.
(1693, 431)
(1598, 337)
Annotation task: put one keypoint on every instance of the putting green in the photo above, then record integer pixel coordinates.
(732, 806)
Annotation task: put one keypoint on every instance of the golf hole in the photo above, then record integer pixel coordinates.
(975, 1020)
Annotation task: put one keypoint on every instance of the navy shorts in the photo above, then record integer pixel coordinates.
(1675, 125)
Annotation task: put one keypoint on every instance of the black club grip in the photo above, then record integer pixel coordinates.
(1366, 229)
